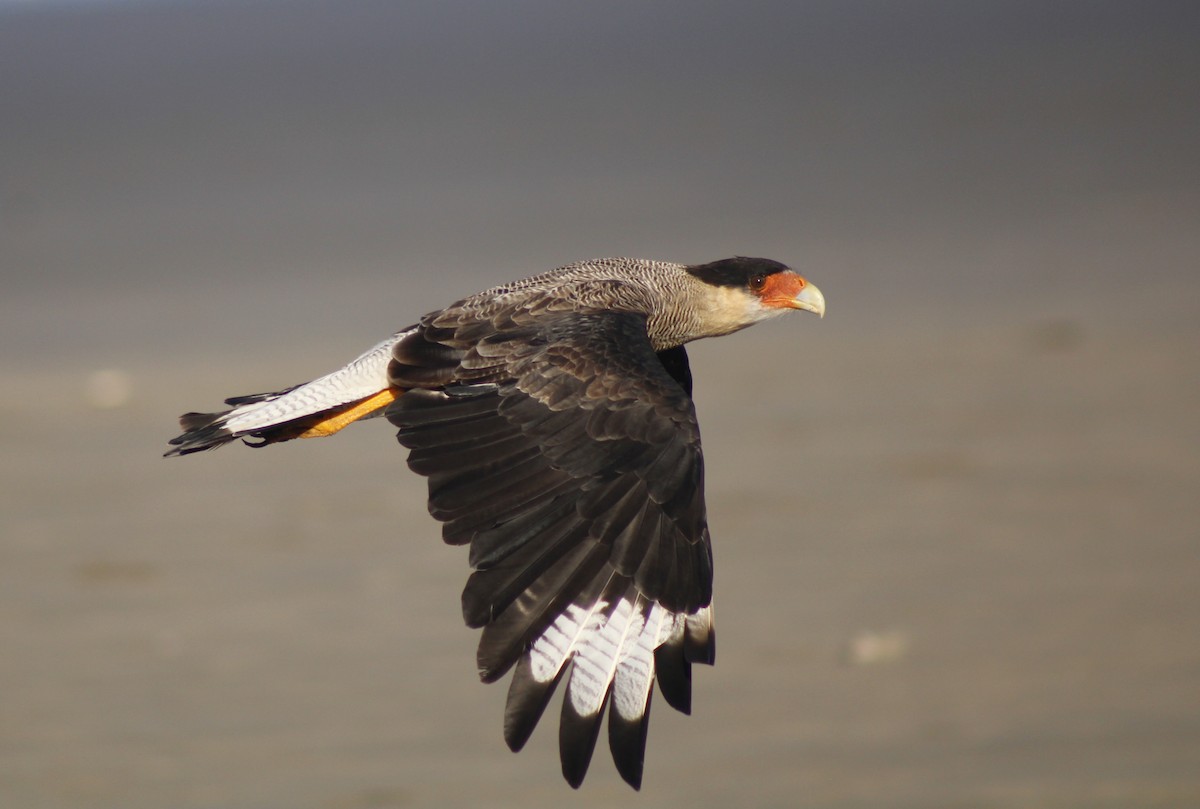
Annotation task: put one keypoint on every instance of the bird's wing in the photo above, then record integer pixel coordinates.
(568, 457)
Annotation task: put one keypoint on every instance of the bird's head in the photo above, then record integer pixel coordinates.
(742, 291)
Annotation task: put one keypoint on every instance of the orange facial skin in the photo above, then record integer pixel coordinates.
(789, 290)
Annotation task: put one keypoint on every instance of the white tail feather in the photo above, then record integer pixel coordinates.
(362, 377)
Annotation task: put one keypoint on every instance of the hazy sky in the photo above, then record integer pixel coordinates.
(910, 149)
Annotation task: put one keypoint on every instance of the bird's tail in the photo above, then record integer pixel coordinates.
(313, 409)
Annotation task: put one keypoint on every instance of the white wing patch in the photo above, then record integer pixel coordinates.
(596, 659)
(611, 648)
(634, 676)
(553, 649)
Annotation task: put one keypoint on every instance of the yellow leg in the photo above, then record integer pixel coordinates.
(355, 411)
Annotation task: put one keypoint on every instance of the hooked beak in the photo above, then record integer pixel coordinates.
(790, 290)
(810, 299)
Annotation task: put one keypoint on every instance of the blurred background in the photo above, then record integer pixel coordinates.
(956, 522)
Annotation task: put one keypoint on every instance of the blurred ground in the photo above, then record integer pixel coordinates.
(956, 523)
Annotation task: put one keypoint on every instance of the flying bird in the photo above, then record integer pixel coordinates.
(553, 419)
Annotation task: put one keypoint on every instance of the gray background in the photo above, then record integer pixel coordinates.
(956, 523)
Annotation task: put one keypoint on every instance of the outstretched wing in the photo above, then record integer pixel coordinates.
(563, 450)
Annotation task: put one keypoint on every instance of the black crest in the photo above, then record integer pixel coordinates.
(735, 272)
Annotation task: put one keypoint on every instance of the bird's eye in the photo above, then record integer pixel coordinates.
(757, 282)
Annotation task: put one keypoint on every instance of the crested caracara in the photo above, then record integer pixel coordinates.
(553, 419)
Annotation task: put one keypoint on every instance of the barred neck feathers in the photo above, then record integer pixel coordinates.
(710, 300)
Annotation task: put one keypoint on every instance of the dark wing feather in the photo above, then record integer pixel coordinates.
(565, 451)
(675, 360)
